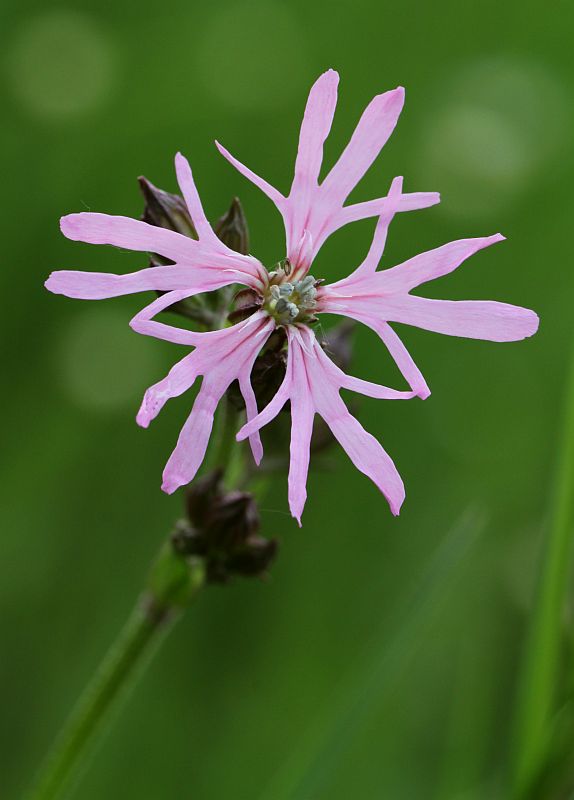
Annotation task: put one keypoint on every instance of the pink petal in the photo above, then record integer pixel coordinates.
(370, 389)
(412, 201)
(131, 234)
(473, 319)
(377, 247)
(179, 379)
(101, 285)
(433, 264)
(262, 331)
(326, 217)
(251, 412)
(217, 340)
(375, 126)
(312, 383)
(302, 415)
(192, 443)
(364, 451)
(401, 356)
(398, 351)
(272, 408)
(294, 212)
(272, 193)
(301, 256)
(144, 323)
(367, 388)
(222, 357)
(318, 209)
(315, 128)
(193, 202)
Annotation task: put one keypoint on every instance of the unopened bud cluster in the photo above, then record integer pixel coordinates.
(222, 528)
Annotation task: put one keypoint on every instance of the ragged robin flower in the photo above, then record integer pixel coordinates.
(289, 299)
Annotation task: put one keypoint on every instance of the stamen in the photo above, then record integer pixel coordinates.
(292, 302)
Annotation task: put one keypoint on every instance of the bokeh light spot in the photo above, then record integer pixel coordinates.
(504, 121)
(61, 64)
(104, 365)
(480, 158)
(252, 55)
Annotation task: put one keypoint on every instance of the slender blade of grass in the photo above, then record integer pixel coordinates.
(536, 696)
(313, 763)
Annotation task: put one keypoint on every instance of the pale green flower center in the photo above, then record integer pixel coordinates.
(291, 302)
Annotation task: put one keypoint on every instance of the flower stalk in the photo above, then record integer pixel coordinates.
(174, 583)
(218, 540)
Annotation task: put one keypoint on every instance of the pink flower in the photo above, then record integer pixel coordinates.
(291, 298)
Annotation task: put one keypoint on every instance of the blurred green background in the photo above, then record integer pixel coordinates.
(378, 661)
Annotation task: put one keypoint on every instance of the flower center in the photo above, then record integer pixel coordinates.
(290, 302)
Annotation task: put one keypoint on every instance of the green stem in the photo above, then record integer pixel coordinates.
(226, 442)
(537, 690)
(224, 453)
(174, 583)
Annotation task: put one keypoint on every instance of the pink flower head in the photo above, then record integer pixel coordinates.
(290, 298)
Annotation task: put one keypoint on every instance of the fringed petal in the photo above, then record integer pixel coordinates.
(103, 285)
(191, 447)
(272, 193)
(369, 137)
(131, 234)
(302, 415)
(433, 264)
(472, 319)
(179, 379)
(193, 202)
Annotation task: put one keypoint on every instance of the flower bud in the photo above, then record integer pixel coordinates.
(256, 558)
(232, 228)
(165, 210)
(223, 529)
(337, 343)
(201, 496)
(232, 519)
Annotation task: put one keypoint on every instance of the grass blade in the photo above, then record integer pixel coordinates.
(536, 695)
(312, 764)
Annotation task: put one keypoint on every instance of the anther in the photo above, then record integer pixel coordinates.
(292, 302)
